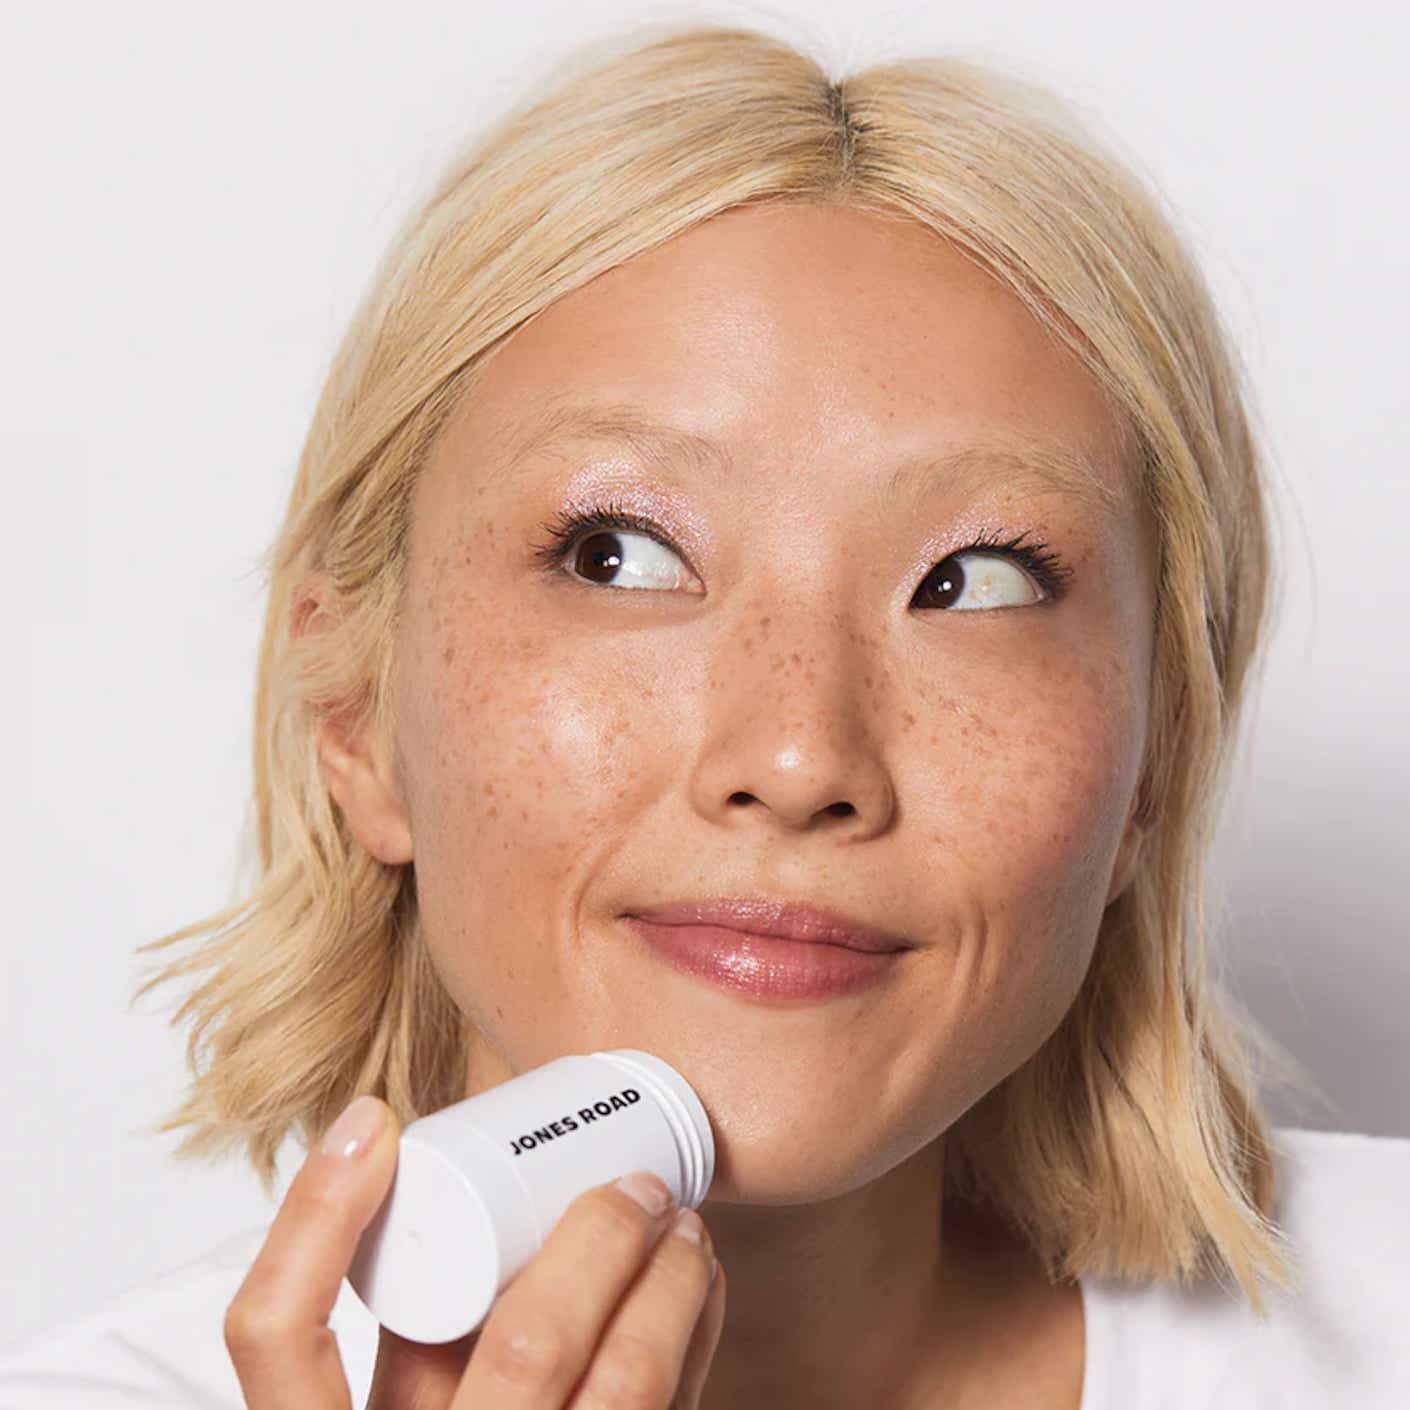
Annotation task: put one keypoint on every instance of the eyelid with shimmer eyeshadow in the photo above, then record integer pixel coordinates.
(1042, 564)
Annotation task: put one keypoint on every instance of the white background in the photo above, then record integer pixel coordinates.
(195, 197)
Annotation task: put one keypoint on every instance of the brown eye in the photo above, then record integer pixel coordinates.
(990, 581)
(616, 558)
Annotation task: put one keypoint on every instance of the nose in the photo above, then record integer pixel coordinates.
(798, 743)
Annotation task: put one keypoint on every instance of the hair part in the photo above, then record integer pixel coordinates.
(1131, 1144)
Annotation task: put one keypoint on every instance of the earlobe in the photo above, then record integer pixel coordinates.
(1140, 819)
(363, 787)
(358, 771)
(1127, 857)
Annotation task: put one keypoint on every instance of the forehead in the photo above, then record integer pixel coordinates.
(792, 331)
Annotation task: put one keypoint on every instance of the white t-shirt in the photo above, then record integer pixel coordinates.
(1343, 1340)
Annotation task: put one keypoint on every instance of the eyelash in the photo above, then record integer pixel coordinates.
(1046, 567)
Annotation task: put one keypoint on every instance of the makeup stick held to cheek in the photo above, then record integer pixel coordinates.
(479, 1184)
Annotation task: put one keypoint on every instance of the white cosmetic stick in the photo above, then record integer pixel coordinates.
(480, 1183)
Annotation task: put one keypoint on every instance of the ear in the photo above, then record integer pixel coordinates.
(1128, 853)
(357, 766)
(1127, 857)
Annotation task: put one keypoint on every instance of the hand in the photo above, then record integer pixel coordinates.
(614, 1310)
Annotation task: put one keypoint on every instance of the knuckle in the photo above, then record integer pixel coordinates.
(528, 1349)
(315, 1201)
(628, 1375)
(610, 1216)
(686, 1271)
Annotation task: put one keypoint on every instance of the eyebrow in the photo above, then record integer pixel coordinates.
(1041, 466)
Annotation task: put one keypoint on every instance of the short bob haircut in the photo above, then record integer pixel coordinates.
(1131, 1144)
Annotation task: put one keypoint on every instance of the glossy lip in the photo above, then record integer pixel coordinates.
(762, 916)
(765, 966)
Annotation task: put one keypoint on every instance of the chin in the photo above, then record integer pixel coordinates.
(776, 1172)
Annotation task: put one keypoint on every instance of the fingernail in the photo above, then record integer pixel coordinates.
(690, 1226)
(356, 1129)
(648, 1190)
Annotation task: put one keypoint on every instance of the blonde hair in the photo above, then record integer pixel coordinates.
(1131, 1144)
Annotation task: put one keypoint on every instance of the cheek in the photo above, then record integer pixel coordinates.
(521, 757)
(521, 750)
(1033, 780)
(1048, 770)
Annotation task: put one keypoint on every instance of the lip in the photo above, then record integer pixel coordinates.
(771, 916)
(765, 966)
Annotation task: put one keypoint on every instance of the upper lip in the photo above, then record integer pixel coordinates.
(771, 915)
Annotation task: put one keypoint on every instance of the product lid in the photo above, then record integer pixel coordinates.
(428, 1265)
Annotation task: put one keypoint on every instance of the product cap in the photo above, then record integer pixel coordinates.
(435, 1279)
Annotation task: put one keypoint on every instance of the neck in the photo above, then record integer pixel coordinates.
(831, 1304)
(886, 1298)
(882, 1297)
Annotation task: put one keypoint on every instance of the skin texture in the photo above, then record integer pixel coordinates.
(568, 748)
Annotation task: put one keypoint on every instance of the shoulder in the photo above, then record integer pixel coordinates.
(1344, 1205)
(1338, 1182)
(1336, 1338)
(161, 1343)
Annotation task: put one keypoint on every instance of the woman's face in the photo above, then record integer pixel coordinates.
(574, 745)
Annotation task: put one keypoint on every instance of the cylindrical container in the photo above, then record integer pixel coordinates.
(479, 1184)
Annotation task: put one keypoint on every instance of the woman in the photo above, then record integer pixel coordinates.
(831, 495)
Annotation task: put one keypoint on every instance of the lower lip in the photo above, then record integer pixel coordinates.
(764, 966)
